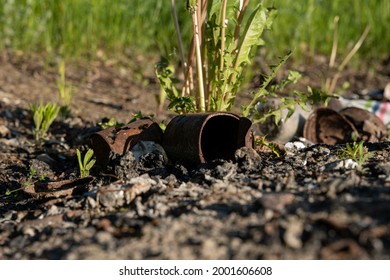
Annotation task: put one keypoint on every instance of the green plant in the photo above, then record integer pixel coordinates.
(357, 152)
(224, 44)
(33, 177)
(138, 116)
(64, 90)
(43, 117)
(224, 41)
(106, 123)
(85, 164)
(262, 95)
(274, 148)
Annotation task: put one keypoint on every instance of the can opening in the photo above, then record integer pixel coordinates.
(219, 138)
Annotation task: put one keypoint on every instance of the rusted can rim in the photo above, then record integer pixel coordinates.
(327, 126)
(123, 139)
(205, 122)
(199, 138)
(369, 126)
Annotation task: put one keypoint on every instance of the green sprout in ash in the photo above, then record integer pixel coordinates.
(65, 91)
(85, 164)
(43, 117)
(357, 152)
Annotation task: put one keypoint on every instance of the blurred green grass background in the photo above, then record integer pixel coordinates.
(80, 28)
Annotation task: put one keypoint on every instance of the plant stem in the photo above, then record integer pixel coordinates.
(200, 91)
(355, 48)
(348, 58)
(335, 42)
(181, 48)
(334, 51)
(202, 10)
(223, 35)
(239, 21)
(222, 53)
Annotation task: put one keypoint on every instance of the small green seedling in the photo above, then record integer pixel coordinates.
(33, 174)
(65, 91)
(86, 164)
(163, 126)
(43, 117)
(261, 141)
(109, 123)
(138, 116)
(356, 152)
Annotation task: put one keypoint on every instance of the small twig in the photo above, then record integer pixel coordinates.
(239, 20)
(222, 50)
(335, 42)
(201, 97)
(188, 80)
(186, 88)
(202, 23)
(348, 58)
(333, 54)
(355, 48)
(223, 35)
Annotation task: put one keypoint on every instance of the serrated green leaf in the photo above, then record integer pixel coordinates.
(254, 28)
(278, 115)
(164, 72)
(294, 76)
(262, 92)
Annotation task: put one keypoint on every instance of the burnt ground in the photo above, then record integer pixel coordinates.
(306, 204)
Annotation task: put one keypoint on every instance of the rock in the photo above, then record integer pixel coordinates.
(276, 201)
(41, 169)
(4, 131)
(122, 193)
(248, 159)
(293, 147)
(126, 168)
(293, 233)
(143, 148)
(342, 164)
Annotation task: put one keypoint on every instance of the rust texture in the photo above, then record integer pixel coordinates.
(326, 126)
(200, 138)
(369, 126)
(123, 139)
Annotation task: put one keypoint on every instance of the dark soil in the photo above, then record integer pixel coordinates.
(306, 204)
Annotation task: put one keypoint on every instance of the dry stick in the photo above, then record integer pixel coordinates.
(221, 61)
(334, 50)
(204, 56)
(201, 99)
(186, 88)
(239, 21)
(202, 19)
(335, 42)
(189, 80)
(348, 58)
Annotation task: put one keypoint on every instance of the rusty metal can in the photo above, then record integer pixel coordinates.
(200, 138)
(124, 138)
